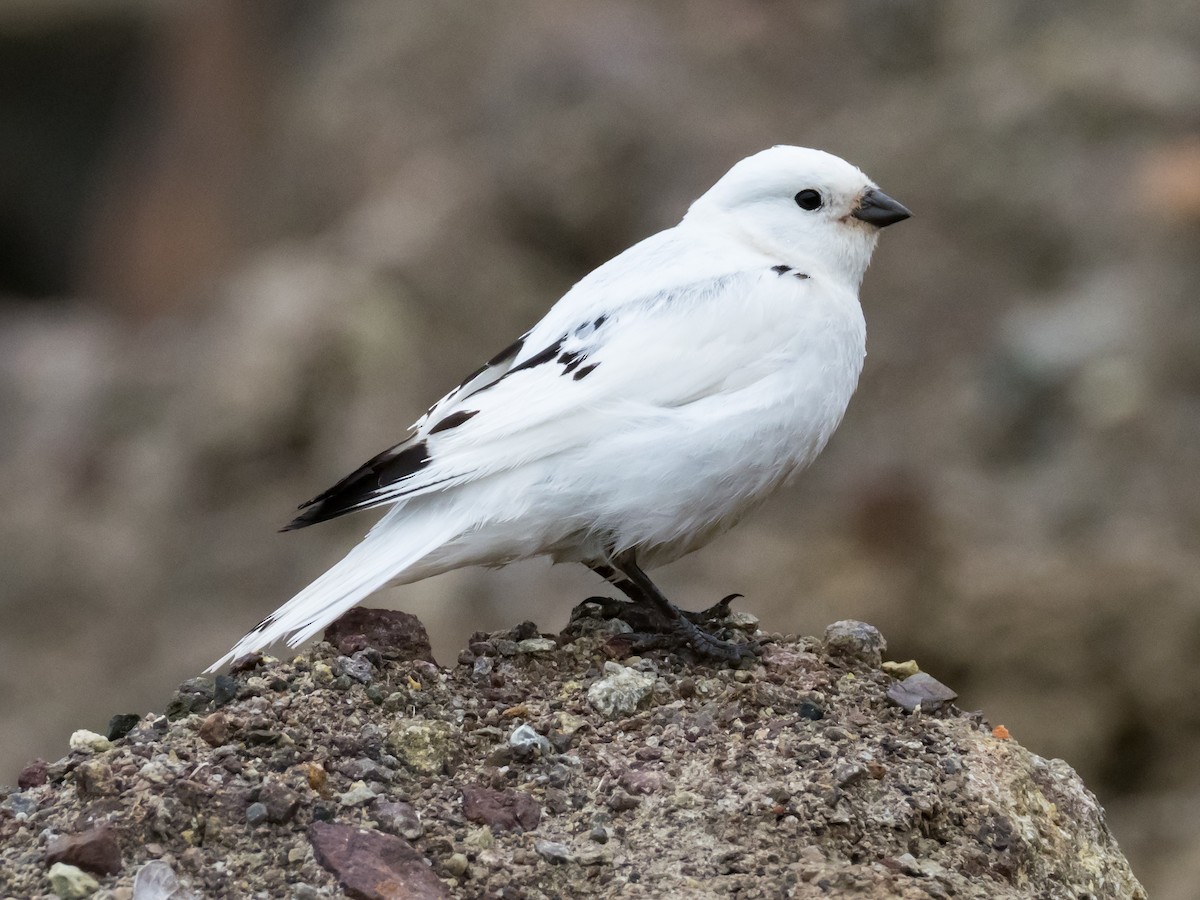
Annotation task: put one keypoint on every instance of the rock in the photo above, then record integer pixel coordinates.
(371, 865)
(594, 856)
(121, 724)
(33, 775)
(357, 667)
(620, 801)
(526, 738)
(280, 800)
(740, 620)
(900, 670)
(19, 805)
(256, 813)
(71, 882)
(358, 795)
(501, 810)
(214, 730)
(95, 850)
(620, 693)
(537, 645)
(394, 634)
(920, 690)
(365, 769)
(225, 688)
(156, 880)
(424, 747)
(553, 852)
(84, 741)
(767, 768)
(855, 643)
(397, 817)
(95, 779)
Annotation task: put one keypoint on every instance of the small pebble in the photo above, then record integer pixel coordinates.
(256, 813)
(920, 690)
(71, 882)
(537, 645)
(457, 865)
(855, 642)
(900, 670)
(397, 817)
(84, 741)
(121, 724)
(527, 738)
(225, 690)
(621, 692)
(357, 667)
(358, 795)
(553, 852)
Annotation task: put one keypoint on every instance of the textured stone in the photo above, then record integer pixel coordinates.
(120, 725)
(425, 747)
(501, 810)
(921, 690)
(855, 642)
(397, 817)
(95, 850)
(621, 692)
(395, 634)
(84, 741)
(371, 865)
(214, 730)
(280, 800)
(156, 880)
(553, 852)
(33, 775)
(71, 883)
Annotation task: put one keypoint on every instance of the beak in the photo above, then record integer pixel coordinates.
(879, 209)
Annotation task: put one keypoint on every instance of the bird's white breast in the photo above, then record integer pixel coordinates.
(772, 364)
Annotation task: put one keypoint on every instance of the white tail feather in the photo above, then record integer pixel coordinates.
(398, 542)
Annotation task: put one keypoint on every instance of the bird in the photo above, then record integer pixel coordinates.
(666, 395)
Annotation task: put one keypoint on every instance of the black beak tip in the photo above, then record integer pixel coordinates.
(880, 210)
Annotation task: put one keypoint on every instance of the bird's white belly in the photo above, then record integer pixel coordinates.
(671, 493)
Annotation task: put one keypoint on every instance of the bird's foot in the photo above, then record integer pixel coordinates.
(657, 629)
(714, 615)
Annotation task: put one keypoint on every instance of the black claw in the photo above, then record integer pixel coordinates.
(715, 614)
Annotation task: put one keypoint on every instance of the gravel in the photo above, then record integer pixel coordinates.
(558, 773)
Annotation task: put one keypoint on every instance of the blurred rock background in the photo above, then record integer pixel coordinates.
(242, 246)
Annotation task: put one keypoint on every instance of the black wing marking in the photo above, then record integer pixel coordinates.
(359, 487)
(454, 420)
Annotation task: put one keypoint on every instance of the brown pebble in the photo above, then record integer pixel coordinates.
(505, 810)
(395, 634)
(372, 865)
(95, 850)
(214, 730)
(33, 775)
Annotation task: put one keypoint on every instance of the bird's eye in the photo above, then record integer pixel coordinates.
(809, 199)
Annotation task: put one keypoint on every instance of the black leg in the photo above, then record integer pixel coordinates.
(627, 576)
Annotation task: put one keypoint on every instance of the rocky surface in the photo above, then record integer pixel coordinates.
(548, 766)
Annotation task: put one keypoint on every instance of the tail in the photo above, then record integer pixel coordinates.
(392, 550)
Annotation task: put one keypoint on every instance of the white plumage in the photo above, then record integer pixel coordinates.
(662, 398)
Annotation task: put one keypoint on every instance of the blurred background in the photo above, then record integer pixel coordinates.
(243, 246)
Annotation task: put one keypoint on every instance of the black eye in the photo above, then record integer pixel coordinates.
(809, 199)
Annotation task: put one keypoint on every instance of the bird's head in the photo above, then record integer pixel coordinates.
(802, 206)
